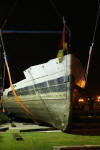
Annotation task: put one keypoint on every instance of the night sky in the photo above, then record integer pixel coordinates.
(25, 50)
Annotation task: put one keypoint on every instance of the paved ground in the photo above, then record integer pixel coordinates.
(28, 126)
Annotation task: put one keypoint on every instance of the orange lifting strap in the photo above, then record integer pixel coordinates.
(8, 70)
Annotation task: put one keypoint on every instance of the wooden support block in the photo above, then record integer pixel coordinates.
(84, 147)
(13, 125)
(3, 129)
(17, 137)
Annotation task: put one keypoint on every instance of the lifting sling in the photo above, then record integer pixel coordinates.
(91, 47)
(10, 80)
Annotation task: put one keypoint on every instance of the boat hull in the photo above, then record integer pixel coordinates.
(48, 95)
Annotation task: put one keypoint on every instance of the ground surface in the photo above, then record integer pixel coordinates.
(41, 140)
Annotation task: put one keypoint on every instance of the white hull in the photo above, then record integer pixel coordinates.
(47, 91)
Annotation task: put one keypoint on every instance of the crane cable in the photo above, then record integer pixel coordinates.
(10, 80)
(9, 14)
(92, 44)
(61, 18)
(11, 10)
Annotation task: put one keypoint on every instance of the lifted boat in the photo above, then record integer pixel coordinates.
(48, 92)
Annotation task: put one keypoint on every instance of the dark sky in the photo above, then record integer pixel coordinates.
(25, 50)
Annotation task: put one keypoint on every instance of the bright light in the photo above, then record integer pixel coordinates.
(81, 100)
(98, 99)
(81, 83)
